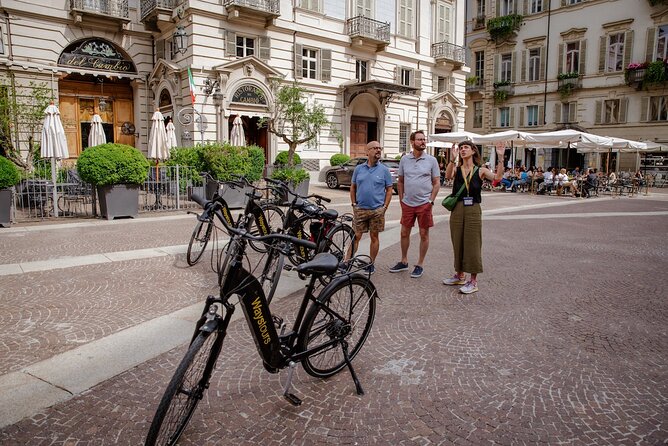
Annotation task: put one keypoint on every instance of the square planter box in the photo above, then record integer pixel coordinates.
(5, 207)
(119, 200)
(300, 189)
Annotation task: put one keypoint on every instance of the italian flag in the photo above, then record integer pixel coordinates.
(191, 83)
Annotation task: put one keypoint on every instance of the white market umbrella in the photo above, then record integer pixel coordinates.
(96, 134)
(238, 138)
(157, 140)
(54, 145)
(446, 139)
(171, 136)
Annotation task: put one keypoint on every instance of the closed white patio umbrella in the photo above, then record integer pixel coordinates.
(53, 145)
(237, 137)
(171, 135)
(157, 141)
(96, 135)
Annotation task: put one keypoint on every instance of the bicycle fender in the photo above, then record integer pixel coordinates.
(344, 279)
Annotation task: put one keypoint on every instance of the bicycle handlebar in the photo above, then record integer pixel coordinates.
(243, 233)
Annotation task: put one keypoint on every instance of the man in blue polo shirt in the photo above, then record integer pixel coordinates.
(370, 194)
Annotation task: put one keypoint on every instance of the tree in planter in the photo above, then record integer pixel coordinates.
(21, 114)
(282, 159)
(294, 120)
(9, 176)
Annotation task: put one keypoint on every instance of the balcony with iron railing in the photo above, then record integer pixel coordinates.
(479, 22)
(150, 10)
(365, 31)
(110, 9)
(474, 84)
(261, 11)
(449, 53)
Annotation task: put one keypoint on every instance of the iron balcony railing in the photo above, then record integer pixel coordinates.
(112, 8)
(477, 85)
(269, 6)
(362, 26)
(146, 7)
(449, 51)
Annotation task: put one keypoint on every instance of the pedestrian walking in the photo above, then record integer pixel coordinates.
(418, 184)
(370, 194)
(466, 217)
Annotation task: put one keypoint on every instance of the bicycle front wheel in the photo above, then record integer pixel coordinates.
(185, 390)
(198, 241)
(339, 240)
(345, 312)
(274, 218)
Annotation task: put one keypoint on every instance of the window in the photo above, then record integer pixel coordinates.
(532, 115)
(480, 8)
(477, 114)
(480, 65)
(309, 63)
(406, 17)
(574, 2)
(658, 108)
(2, 44)
(404, 135)
(245, 46)
(443, 22)
(567, 112)
(611, 111)
(364, 7)
(506, 67)
(535, 6)
(572, 57)
(662, 43)
(445, 84)
(313, 5)
(406, 76)
(534, 64)
(507, 7)
(361, 70)
(504, 117)
(615, 53)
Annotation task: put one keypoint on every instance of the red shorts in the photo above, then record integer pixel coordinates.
(422, 213)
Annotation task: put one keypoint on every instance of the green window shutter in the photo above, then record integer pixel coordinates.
(557, 112)
(651, 44)
(160, 49)
(521, 122)
(525, 7)
(602, 48)
(495, 112)
(497, 62)
(513, 66)
(397, 75)
(623, 108)
(572, 111)
(644, 106)
(231, 44)
(511, 118)
(628, 48)
(599, 112)
(325, 65)
(560, 60)
(498, 8)
(542, 63)
(523, 73)
(583, 57)
(265, 48)
(416, 78)
(298, 61)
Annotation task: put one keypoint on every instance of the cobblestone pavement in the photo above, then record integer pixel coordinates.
(564, 344)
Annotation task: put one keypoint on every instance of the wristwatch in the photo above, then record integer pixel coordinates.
(353, 204)
(432, 203)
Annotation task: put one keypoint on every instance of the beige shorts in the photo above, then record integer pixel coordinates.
(366, 220)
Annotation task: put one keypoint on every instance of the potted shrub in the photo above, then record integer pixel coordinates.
(191, 165)
(338, 158)
(297, 178)
(117, 171)
(9, 177)
(223, 161)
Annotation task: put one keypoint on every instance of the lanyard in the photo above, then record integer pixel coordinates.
(467, 179)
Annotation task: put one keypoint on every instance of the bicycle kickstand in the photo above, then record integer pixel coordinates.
(291, 397)
(358, 386)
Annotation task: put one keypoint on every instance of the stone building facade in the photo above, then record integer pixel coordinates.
(541, 65)
(381, 68)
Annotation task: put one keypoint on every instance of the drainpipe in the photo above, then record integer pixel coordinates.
(547, 57)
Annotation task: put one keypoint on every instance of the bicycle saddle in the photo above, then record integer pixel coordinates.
(322, 264)
(329, 214)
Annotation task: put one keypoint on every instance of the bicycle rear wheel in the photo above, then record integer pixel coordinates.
(274, 218)
(198, 241)
(354, 303)
(185, 390)
(339, 239)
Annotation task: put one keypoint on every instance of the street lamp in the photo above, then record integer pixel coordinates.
(180, 40)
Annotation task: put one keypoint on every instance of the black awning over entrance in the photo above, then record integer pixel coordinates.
(384, 90)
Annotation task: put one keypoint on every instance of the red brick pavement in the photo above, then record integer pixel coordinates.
(564, 343)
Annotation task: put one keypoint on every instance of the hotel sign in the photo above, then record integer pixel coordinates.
(96, 54)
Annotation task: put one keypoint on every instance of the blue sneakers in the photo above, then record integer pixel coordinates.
(399, 267)
(417, 272)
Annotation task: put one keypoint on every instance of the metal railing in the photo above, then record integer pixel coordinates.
(449, 51)
(169, 189)
(362, 26)
(146, 7)
(270, 6)
(478, 85)
(113, 8)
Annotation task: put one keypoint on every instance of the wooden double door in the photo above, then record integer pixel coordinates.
(361, 132)
(79, 100)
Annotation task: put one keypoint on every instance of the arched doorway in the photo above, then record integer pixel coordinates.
(363, 124)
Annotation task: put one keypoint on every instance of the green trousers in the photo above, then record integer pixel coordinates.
(466, 235)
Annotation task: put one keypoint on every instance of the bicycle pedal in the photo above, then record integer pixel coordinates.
(278, 321)
(293, 399)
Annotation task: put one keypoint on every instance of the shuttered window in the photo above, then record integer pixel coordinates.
(406, 17)
(534, 64)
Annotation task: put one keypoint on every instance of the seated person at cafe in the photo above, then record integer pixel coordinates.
(548, 181)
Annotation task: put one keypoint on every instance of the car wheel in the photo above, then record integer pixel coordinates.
(332, 181)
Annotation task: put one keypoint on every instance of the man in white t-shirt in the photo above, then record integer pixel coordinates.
(418, 184)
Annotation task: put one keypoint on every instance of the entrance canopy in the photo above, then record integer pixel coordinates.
(384, 90)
